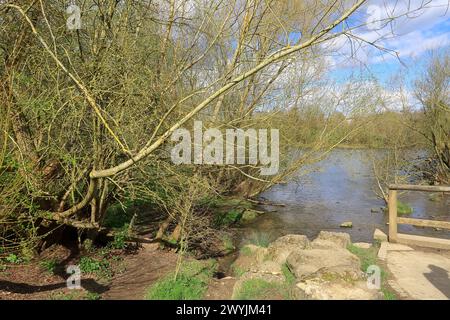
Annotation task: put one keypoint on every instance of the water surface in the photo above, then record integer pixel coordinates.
(342, 190)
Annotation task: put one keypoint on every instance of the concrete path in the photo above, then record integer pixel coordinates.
(418, 273)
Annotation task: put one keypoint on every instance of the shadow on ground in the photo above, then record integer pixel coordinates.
(439, 278)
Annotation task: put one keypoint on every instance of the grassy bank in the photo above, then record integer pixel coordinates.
(190, 283)
(369, 257)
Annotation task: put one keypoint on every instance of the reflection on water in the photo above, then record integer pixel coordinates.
(342, 190)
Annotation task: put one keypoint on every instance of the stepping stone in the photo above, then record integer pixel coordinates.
(347, 224)
(382, 253)
(380, 235)
(398, 247)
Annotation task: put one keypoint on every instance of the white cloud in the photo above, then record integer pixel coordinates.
(414, 44)
(409, 28)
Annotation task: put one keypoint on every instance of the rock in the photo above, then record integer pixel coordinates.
(278, 279)
(280, 249)
(248, 216)
(319, 289)
(363, 245)
(379, 235)
(347, 224)
(397, 247)
(382, 253)
(341, 239)
(324, 268)
(250, 257)
(374, 210)
(268, 266)
(297, 240)
(324, 244)
(336, 261)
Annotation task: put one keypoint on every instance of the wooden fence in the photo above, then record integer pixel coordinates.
(394, 220)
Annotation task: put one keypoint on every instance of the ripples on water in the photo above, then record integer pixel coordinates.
(342, 190)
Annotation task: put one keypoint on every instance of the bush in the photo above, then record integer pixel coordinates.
(120, 237)
(117, 217)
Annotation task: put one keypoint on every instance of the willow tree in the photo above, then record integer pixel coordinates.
(88, 112)
(433, 93)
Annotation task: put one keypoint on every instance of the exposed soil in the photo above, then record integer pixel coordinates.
(220, 289)
(30, 281)
(141, 271)
(132, 274)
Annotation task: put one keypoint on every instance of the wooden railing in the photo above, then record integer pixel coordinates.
(394, 220)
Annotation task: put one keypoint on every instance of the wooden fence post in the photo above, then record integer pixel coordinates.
(392, 206)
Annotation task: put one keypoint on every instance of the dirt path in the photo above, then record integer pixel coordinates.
(220, 289)
(420, 273)
(142, 270)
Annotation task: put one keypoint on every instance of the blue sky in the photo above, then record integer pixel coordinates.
(420, 26)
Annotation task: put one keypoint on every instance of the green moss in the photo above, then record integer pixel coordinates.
(228, 244)
(190, 284)
(248, 216)
(329, 276)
